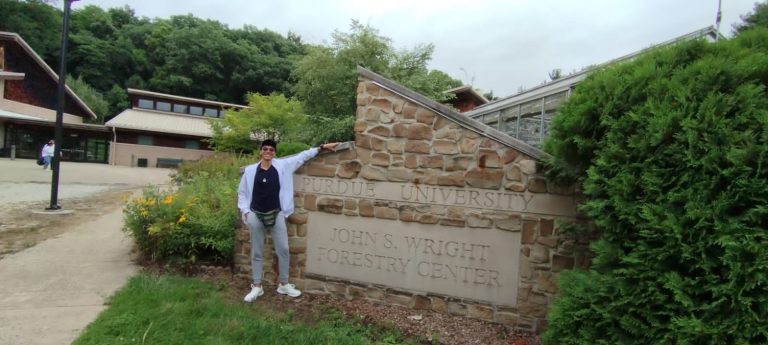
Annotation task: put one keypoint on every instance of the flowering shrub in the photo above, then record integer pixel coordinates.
(194, 223)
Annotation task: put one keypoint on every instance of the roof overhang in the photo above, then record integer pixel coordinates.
(16, 38)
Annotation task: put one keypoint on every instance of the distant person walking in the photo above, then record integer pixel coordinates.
(265, 199)
(47, 153)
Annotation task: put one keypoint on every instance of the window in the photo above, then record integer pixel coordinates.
(146, 103)
(192, 144)
(195, 110)
(163, 106)
(211, 112)
(145, 140)
(180, 108)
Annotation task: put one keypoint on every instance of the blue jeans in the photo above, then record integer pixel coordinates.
(46, 161)
(280, 241)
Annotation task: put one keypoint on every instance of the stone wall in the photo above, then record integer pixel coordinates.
(406, 140)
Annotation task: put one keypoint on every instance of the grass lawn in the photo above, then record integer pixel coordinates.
(175, 310)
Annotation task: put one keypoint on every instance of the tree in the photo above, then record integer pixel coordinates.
(38, 23)
(670, 149)
(757, 18)
(90, 96)
(273, 116)
(326, 78)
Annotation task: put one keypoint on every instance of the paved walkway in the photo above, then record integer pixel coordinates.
(50, 292)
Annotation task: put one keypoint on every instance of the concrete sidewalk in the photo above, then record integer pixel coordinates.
(51, 291)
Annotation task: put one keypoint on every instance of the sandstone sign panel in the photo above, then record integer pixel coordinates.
(547, 204)
(478, 265)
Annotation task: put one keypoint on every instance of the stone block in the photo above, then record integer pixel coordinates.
(349, 169)
(459, 163)
(298, 218)
(407, 213)
(301, 230)
(445, 147)
(330, 205)
(550, 242)
(310, 202)
(451, 179)
(399, 175)
(382, 103)
(373, 173)
(431, 161)
(378, 144)
(539, 255)
(515, 187)
(398, 299)
(480, 312)
(419, 131)
(360, 126)
(322, 170)
(537, 185)
(365, 207)
(382, 131)
(488, 178)
(411, 161)
(560, 262)
(297, 245)
(363, 141)
(419, 302)
(528, 235)
(356, 292)
(467, 145)
(409, 111)
(505, 318)
(386, 213)
(514, 174)
(350, 204)
(489, 159)
(374, 293)
(428, 218)
(509, 156)
(448, 133)
(453, 222)
(395, 145)
(425, 116)
(397, 105)
(441, 122)
(417, 146)
(509, 224)
(439, 305)
(527, 166)
(380, 159)
(475, 220)
(456, 308)
(546, 227)
(399, 130)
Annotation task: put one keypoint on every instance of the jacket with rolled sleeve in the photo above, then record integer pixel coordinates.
(285, 168)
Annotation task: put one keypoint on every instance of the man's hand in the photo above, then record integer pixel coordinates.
(328, 147)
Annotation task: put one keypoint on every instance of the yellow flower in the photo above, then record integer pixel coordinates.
(168, 199)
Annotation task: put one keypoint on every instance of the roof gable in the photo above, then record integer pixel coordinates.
(21, 58)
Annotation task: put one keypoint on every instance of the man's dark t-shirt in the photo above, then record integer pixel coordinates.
(266, 190)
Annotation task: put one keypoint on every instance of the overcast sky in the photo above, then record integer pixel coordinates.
(497, 45)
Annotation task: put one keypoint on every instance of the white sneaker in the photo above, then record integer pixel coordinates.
(288, 289)
(254, 294)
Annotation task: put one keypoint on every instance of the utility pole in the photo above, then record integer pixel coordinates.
(58, 134)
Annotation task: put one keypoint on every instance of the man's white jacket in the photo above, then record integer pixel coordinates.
(285, 167)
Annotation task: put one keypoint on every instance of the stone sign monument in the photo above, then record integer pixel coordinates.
(429, 210)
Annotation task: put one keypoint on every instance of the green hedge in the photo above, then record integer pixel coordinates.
(672, 153)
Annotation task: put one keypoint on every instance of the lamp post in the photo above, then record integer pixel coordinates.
(60, 108)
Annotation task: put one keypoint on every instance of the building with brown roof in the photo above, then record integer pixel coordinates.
(162, 130)
(28, 100)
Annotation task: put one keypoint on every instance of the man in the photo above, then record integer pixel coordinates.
(47, 154)
(265, 199)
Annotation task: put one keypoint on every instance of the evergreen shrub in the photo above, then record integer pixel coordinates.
(671, 150)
